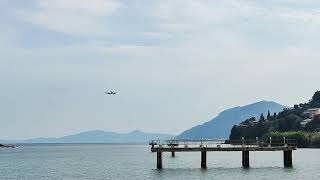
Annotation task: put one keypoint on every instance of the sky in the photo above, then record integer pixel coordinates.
(174, 63)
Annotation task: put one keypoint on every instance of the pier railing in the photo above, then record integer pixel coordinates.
(224, 143)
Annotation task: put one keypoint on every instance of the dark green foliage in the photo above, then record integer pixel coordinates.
(289, 123)
(248, 121)
(299, 136)
(315, 140)
(269, 115)
(286, 124)
(303, 139)
(315, 102)
(235, 133)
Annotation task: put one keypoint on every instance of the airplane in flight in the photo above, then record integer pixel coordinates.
(111, 93)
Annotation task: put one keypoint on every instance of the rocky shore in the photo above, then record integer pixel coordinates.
(6, 146)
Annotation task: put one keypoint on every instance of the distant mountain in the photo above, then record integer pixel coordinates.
(98, 136)
(221, 126)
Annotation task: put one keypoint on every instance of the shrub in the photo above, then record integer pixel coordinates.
(299, 136)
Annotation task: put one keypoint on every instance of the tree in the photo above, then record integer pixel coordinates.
(269, 115)
(262, 118)
(235, 133)
(247, 121)
(315, 102)
(289, 123)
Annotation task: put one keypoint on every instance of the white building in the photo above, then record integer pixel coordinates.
(312, 112)
(305, 122)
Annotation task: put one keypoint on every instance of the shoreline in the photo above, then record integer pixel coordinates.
(7, 146)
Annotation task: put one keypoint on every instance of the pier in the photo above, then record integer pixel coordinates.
(203, 146)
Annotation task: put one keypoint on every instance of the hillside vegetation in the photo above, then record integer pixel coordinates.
(302, 122)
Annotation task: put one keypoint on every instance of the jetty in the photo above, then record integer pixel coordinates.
(204, 146)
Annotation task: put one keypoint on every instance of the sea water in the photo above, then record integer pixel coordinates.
(111, 161)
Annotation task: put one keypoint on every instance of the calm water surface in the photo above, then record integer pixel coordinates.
(103, 161)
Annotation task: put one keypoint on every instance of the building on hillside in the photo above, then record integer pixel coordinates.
(305, 122)
(312, 112)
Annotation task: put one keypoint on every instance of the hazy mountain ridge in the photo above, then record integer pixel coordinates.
(98, 136)
(220, 126)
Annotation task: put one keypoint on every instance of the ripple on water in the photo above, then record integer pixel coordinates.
(84, 161)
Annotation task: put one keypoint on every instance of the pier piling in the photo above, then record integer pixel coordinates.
(159, 160)
(173, 154)
(245, 159)
(287, 158)
(203, 159)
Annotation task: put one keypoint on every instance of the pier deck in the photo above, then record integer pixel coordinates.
(203, 146)
(246, 148)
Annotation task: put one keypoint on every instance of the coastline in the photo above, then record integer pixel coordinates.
(7, 146)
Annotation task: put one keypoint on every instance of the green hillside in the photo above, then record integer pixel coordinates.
(302, 122)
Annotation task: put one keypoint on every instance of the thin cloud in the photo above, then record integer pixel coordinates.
(92, 7)
(205, 55)
(71, 16)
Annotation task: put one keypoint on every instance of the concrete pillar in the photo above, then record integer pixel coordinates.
(287, 158)
(159, 160)
(173, 154)
(245, 159)
(203, 159)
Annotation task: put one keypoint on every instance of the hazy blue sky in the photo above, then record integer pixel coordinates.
(175, 64)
